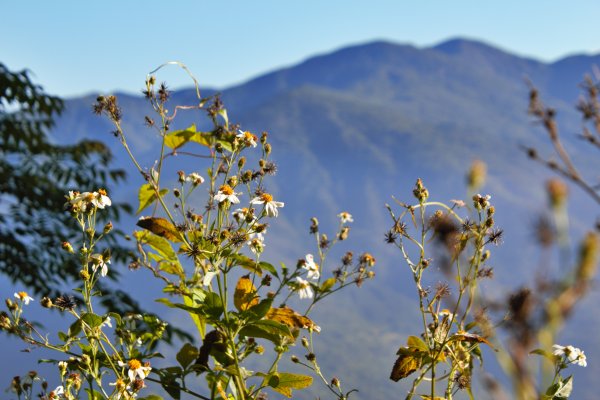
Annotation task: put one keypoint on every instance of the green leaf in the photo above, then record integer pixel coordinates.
(247, 262)
(268, 267)
(151, 397)
(147, 196)
(267, 329)
(92, 320)
(74, 329)
(198, 320)
(212, 305)
(545, 354)
(186, 355)
(284, 382)
(261, 309)
(157, 243)
(176, 139)
(416, 342)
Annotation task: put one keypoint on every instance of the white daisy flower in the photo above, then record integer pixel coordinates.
(575, 355)
(248, 138)
(226, 193)
(345, 217)
(106, 322)
(304, 289)
(57, 393)
(24, 297)
(311, 267)
(195, 178)
(100, 262)
(256, 242)
(270, 205)
(135, 369)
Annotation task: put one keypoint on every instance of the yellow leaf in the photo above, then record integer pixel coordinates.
(405, 365)
(245, 295)
(291, 318)
(160, 227)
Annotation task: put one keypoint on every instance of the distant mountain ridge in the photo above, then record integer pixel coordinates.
(351, 128)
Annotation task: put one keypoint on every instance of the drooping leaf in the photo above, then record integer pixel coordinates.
(284, 382)
(470, 337)
(147, 196)
(160, 227)
(291, 318)
(176, 139)
(405, 365)
(245, 295)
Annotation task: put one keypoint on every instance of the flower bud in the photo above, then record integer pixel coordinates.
(11, 305)
(176, 193)
(261, 163)
(344, 233)
(241, 162)
(232, 181)
(67, 247)
(268, 148)
(420, 192)
(263, 137)
(219, 148)
(84, 275)
(181, 175)
(108, 227)
(314, 225)
(259, 350)
(305, 342)
(335, 382)
(295, 359)
(46, 302)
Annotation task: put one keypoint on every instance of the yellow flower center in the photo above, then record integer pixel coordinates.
(226, 189)
(266, 197)
(134, 364)
(23, 295)
(102, 192)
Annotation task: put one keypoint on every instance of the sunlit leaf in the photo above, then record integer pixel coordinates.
(160, 227)
(176, 139)
(245, 295)
(328, 284)
(291, 318)
(284, 382)
(147, 196)
(405, 365)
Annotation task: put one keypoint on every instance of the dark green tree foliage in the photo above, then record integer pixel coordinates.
(35, 175)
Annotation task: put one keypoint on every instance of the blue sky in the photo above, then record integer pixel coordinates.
(76, 47)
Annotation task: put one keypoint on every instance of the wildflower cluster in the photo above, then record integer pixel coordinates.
(445, 351)
(204, 239)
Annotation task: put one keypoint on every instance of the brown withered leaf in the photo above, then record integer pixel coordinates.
(160, 227)
(405, 365)
(245, 295)
(291, 318)
(470, 337)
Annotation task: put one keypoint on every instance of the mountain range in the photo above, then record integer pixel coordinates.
(353, 127)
